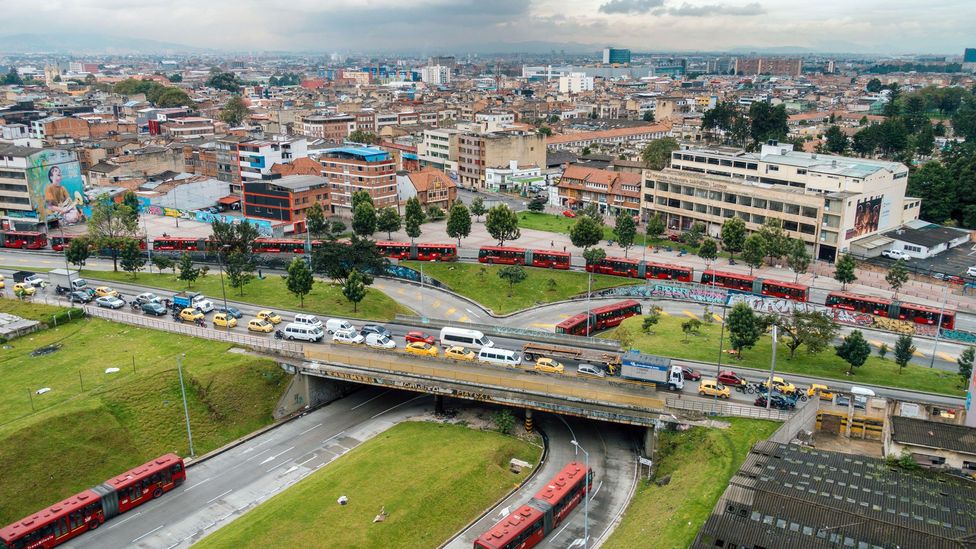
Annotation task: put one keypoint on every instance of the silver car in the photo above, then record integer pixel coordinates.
(110, 302)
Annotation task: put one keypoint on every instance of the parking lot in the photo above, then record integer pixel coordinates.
(951, 262)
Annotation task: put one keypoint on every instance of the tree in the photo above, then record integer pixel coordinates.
(315, 219)
(513, 274)
(188, 273)
(657, 154)
(592, 256)
(874, 86)
(592, 211)
(365, 137)
(337, 260)
(897, 276)
(844, 270)
(502, 224)
(964, 121)
(240, 270)
(708, 250)
(388, 220)
(545, 130)
(694, 235)
(414, 217)
(364, 219)
(131, 257)
(775, 240)
(172, 97)
(12, 78)
(109, 225)
(754, 251)
(299, 279)
(883, 351)
(933, 183)
(504, 421)
(854, 350)
(904, 350)
(626, 230)
(478, 208)
(435, 213)
(230, 237)
(651, 319)
(78, 251)
(354, 289)
(585, 152)
(226, 81)
(811, 328)
(767, 122)
(360, 197)
(162, 263)
(744, 327)
(648, 116)
(924, 140)
(175, 78)
(797, 257)
(965, 362)
(836, 140)
(235, 111)
(459, 222)
(691, 326)
(585, 232)
(865, 142)
(733, 235)
(655, 227)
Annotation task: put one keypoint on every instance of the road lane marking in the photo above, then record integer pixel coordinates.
(946, 356)
(401, 291)
(368, 401)
(258, 454)
(310, 428)
(119, 523)
(470, 311)
(274, 457)
(689, 313)
(333, 437)
(875, 342)
(556, 535)
(436, 304)
(398, 405)
(213, 500)
(307, 460)
(919, 354)
(541, 325)
(451, 311)
(464, 319)
(146, 534)
(717, 318)
(198, 484)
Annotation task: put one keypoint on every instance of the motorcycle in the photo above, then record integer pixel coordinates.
(279, 335)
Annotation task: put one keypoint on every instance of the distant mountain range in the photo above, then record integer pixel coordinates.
(87, 43)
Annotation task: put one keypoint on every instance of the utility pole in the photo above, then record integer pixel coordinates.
(772, 370)
(938, 327)
(186, 410)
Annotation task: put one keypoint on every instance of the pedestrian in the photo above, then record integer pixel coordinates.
(552, 244)
(261, 276)
(564, 248)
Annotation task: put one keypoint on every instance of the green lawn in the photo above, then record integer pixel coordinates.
(326, 298)
(26, 308)
(78, 438)
(668, 340)
(489, 290)
(562, 224)
(431, 478)
(700, 461)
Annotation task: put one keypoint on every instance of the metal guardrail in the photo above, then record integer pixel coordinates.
(506, 331)
(727, 409)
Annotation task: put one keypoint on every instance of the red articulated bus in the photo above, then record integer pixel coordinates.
(177, 243)
(600, 318)
(756, 285)
(278, 246)
(87, 510)
(26, 240)
(546, 259)
(575, 325)
(667, 271)
(616, 266)
(877, 306)
(421, 252)
(531, 523)
(733, 281)
(785, 290)
(922, 314)
(60, 243)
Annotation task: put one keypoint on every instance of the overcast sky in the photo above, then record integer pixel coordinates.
(881, 26)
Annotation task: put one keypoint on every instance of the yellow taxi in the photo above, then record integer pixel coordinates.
(459, 353)
(822, 390)
(103, 291)
(191, 315)
(2, 285)
(259, 325)
(224, 320)
(781, 385)
(270, 316)
(711, 387)
(21, 288)
(421, 348)
(549, 365)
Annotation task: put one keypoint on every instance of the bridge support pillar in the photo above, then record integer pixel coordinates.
(528, 420)
(306, 392)
(439, 404)
(650, 441)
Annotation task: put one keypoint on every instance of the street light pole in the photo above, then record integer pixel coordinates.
(772, 370)
(938, 327)
(186, 410)
(589, 290)
(220, 262)
(145, 228)
(586, 496)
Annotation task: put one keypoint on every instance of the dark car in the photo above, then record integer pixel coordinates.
(730, 378)
(689, 374)
(374, 329)
(416, 335)
(79, 297)
(231, 311)
(779, 402)
(154, 308)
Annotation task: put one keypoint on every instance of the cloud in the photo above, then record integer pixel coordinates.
(688, 10)
(630, 6)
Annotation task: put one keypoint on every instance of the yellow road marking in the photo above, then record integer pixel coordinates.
(919, 353)
(451, 311)
(874, 342)
(539, 325)
(401, 291)
(665, 313)
(436, 304)
(716, 317)
(464, 318)
(946, 356)
(564, 316)
(691, 314)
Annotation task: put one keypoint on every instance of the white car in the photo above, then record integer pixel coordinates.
(36, 281)
(971, 271)
(347, 337)
(896, 254)
(147, 297)
(380, 341)
(588, 370)
(110, 302)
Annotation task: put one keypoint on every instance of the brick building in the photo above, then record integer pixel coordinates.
(351, 169)
(285, 199)
(612, 192)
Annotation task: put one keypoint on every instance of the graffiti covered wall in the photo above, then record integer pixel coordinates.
(672, 290)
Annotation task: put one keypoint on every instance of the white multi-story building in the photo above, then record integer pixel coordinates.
(439, 148)
(436, 75)
(257, 157)
(575, 82)
(513, 177)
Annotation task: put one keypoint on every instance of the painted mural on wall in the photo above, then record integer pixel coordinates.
(769, 305)
(55, 185)
(673, 290)
(264, 227)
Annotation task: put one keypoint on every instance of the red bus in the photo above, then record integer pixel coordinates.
(177, 243)
(89, 509)
(667, 271)
(877, 306)
(394, 250)
(502, 255)
(59, 243)
(278, 245)
(612, 315)
(550, 259)
(616, 266)
(732, 281)
(28, 240)
(922, 314)
(546, 259)
(530, 524)
(574, 325)
(786, 290)
(421, 252)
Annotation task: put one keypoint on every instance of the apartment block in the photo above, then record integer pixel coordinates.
(635, 134)
(575, 82)
(333, 128)
(255, 158)
(479, 151)
(439, 149)
(351, 169)
(834, 204)
(286, 199)
(769, 65)
(15, 200)
(436, 75)
(612, 192)
(228, 161)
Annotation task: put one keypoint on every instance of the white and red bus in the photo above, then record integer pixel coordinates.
(26, 240)
(87, 510)
(547, 259)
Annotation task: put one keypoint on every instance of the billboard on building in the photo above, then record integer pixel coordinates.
(55, 185)
(867, 216)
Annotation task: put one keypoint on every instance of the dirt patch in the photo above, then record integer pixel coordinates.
(46, 350)
(837, 443)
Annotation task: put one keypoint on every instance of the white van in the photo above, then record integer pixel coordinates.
(380, 341)
(493, 355)
(465, 338)
(295, 330)
(334, 325)
(308, 320)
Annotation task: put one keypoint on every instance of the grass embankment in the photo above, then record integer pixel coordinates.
(326, 298)
(482, 284)
(669, 340)
(78, 437)
(700, 461)
(28, 309)
(430, 478)
(562, 224)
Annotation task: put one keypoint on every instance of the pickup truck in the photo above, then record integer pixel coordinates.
(192, 300)
(29, 277)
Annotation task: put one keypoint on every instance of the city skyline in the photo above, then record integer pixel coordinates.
(432, 26)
